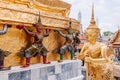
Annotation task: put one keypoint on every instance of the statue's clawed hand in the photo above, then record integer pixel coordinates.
(48, 30)
(20, 26)
(9, 25)
(88, 59)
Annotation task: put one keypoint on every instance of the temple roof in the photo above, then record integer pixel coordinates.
(55, 3)
(115, 38)
(55, 7)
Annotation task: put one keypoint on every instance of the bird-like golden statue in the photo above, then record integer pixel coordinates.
(99, 63)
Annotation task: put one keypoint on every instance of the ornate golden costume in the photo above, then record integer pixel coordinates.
(97, 55)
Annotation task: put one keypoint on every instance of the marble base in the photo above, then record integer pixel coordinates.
(67, 70)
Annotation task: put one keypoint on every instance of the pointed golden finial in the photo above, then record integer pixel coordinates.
(92, 11)
(92, 22)
(39, 19)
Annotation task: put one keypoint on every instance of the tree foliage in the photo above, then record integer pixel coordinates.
(108, 33)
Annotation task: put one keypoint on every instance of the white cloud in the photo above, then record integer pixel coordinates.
(117, 8)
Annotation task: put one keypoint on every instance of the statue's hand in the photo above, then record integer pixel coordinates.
(86, 53)
(55, 30)
(48, 30)
(9, 25)
(7, 53)
(20, 26)
(88, 59)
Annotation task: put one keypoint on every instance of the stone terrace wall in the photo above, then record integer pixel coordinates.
(67, 70)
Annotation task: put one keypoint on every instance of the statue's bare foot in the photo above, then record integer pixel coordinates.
(46, 63)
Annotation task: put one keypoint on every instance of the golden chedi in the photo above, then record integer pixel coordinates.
(26, 12)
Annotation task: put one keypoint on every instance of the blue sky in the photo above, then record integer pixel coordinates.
(107, 12)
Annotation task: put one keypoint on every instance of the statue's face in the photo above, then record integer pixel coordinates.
(39, 28)
(92, 35)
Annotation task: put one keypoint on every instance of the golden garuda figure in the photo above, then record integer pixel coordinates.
(98, 56)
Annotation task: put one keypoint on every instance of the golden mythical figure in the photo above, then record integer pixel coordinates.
(99, 63)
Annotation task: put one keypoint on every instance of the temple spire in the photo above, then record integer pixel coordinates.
(92, 22)
(92, 11)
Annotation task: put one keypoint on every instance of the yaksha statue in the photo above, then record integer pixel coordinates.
(3, 53)
(98, 56)
(68, 45)
(37, 48)
(76, 43)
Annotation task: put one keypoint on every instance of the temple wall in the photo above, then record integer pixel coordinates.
(68, 70)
